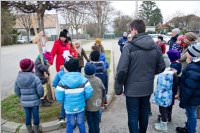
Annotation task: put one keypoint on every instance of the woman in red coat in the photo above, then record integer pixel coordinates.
(60, 46)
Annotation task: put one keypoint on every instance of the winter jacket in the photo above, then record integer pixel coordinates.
(101, 72)
(73, 89)
(122, 41)
(172, 41)
(176, 82)
(58, 50)
(138, 64)
(95, 101)
(80, 57)
(177, 47)
(162, 46)
(40, 69)
(163, 93)
(29, 89)
(190, 85)
(103, 58)
(58, 78)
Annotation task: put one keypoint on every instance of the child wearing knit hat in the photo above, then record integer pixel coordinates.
(93, 107)
(190, 90)
(29, 89)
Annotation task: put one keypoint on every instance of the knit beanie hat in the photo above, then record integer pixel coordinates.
(89, 69)
(191, 36)
(98, 41)
(194, 50)
(173, 55)
(72, 65)
(94, 56)
(26, 65)
(48, 56)
(63, 34)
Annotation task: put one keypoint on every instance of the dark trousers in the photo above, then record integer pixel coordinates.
(165, 113)
(29, 111)
(138, 109)
(93, 121)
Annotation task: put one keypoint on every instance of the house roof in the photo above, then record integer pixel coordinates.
(50, 21)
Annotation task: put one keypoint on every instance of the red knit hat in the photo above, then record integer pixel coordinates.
(26, 65)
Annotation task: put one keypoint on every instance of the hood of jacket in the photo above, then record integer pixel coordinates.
(143, 41)
(71, 79)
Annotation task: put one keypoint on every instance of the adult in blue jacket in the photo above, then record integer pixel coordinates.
(123, 40)
(73, 90)
(190, 89)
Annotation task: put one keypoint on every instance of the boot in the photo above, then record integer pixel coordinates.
(36, 129)
(159, 118)
(29, 129)
(181, 130)
(45, 103)
(162, 126)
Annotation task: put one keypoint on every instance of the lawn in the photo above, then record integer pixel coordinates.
(12, 110)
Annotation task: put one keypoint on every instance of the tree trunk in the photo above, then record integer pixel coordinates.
(27, 34)
(72, 32)
(77, 33)
(40, 17)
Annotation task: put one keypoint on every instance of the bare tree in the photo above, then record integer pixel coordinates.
(39, 7)
(75, 19)
(101, 10)
(24, 20)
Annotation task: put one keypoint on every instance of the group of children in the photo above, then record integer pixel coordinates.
(79, 95)
(180, 83)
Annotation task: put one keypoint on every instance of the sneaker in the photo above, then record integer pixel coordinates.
(61, 121)
(181, 130)
(161, 126)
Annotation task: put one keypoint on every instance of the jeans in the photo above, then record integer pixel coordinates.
(191, 113)
(62, 113)
(73, 119)
(93, 121)
(138, 109)
(29, 111)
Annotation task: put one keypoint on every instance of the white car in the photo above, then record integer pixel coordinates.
(21, 40)
(155, 37)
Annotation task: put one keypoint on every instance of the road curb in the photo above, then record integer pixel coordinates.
(13, 127)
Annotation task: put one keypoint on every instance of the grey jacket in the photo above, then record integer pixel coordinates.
(29, 88)
(139, 63)
(94, 102)
(40, 69)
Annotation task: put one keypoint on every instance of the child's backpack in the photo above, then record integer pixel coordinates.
(163, 93)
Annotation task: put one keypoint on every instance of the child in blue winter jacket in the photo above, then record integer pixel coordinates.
(190, 89)
(73, 90)
(28, 88)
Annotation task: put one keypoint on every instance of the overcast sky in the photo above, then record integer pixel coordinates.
(168, 8)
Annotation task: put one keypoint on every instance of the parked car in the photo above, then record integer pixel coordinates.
(21, 40)
(155, 37)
